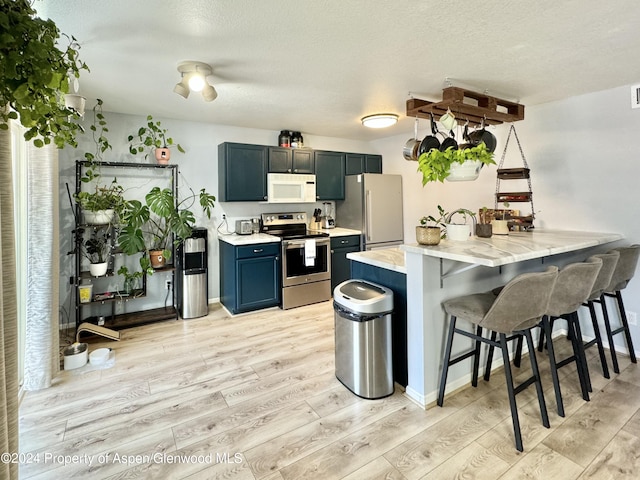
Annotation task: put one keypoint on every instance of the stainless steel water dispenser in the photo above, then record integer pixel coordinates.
(192, 284)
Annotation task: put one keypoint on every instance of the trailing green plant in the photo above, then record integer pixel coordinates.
(438, 222)
(97, 247)
(149, 225)
(150, 137)
(103, 198)
(34, 75)
(131, 277)
(435, 165)
(462, 211)
(99, 130)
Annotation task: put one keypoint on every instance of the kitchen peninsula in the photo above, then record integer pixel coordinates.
(451, 269)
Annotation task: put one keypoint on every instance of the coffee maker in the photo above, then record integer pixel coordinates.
(327, 220)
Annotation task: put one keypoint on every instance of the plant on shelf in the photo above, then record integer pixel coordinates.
(35, 71)
(131, 278)
(427, 234)
(149, 226)
(484, 228)
(435, 165)
(460, 231)
(153, 137)
(96, 248)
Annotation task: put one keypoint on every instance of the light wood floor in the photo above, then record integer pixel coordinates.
(255, 397)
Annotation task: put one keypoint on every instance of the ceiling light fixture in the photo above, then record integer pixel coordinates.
(194, 79)
(380, 120)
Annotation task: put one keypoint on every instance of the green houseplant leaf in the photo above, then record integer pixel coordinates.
(435, 165)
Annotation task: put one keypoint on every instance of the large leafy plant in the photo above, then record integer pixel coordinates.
(435, 165)
(34, 75)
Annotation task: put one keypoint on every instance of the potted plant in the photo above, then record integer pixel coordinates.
(500, 225)
(436, 165)
(153, 137)
(460, 231)
(131, 278)
(31, 89)
(150, 225)
(96, 248)
(427, 234)
(484, 228)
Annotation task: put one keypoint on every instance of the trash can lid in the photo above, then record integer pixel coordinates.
(363, 297)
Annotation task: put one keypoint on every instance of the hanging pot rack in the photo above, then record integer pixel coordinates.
(483, 108)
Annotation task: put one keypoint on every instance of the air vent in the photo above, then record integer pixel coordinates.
(635, 96)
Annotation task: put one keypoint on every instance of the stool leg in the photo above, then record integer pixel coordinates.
(476, 358)
(511, 392)
(487, 368)
(598, 339)
(546, 331)
(581, 359)
(446, 360)
(536, 373)
(625, 326)
(517, 356)
(607, 326)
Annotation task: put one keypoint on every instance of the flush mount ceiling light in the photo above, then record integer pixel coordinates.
(380, 120)
(194, 79)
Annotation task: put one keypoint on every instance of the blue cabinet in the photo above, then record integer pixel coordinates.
(340, 264)
(249, 276)
(242, 172)
(290, 160)
(330, 172)
(357, 163)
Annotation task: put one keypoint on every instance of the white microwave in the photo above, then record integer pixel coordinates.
(291, 188)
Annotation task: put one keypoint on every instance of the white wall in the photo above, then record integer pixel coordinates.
(199, 168)
(585, 168)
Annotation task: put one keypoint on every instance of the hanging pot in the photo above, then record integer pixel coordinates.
(412, 146)
(482, 135)
(449, 142)
(430, 141)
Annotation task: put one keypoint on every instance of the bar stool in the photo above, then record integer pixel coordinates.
(609, 262)
(625, 269)
(518, 307)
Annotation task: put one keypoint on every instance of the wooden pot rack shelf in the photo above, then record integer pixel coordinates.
(478, 106)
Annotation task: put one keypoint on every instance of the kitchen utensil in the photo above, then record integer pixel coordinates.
(327, 220)
(448, 120)
(483, 135)
(449, 142)
(430, 141)
(412, 146)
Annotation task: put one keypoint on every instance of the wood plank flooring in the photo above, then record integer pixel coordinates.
(255, 397)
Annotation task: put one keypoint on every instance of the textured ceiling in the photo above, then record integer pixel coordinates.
(318, 66)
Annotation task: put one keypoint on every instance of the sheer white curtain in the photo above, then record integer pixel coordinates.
(42, 360)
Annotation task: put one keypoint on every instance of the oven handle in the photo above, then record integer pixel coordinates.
(300, 243)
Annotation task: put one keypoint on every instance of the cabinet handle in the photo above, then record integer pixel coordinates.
(295, 170)
(258, 250)
(343, 241)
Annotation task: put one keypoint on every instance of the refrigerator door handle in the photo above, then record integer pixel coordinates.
(368, 220)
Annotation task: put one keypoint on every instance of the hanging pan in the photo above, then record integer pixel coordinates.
(430, 141)
(412, 146)
(483, 135)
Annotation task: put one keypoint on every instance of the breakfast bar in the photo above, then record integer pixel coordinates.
(454, 268)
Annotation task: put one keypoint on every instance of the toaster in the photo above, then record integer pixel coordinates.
(244, 227)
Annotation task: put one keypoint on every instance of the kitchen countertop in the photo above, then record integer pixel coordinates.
(235, 239)
(515, 247)
(388, 258)
(337, 231)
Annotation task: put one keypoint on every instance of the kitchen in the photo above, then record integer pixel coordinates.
(561, 138)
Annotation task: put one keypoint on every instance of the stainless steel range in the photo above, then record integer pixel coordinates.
(306, 259)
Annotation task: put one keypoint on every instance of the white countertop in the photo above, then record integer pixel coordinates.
(389, 258)
(515, 247)
(337, 231)
(235, 239)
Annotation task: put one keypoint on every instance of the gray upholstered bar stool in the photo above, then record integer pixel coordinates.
(518, 307)
(625, 269)
(609, 262)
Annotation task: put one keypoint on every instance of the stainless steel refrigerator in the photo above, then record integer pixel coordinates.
(373, 205)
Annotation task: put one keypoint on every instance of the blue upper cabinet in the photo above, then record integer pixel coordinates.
(242, 172)
(357, 163)
(330, 172)
(290, 160)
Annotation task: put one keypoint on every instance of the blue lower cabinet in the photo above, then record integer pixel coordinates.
(340, 264)
(249, 276)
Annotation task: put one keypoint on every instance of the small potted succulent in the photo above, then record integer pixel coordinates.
(429, 232)
(153, 137)
(484, 229)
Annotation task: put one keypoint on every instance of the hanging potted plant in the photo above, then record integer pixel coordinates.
(35, 76)
(428, 234)
(96, 248)
(153, 137)
(149, 226)
(454, 165)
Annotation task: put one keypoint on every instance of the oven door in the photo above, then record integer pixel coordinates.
(300, 265)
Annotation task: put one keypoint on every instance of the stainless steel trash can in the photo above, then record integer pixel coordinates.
(363, 338)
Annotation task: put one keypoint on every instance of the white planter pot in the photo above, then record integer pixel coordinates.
(98, 269)
(99, 217)
(75, 102)
(464, 172)
(500, 227)
(458, 233)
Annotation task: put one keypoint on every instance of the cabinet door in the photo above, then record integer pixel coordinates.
(354, 163)
(303, 161)
(280, 160)
(373, 164)
(341, 265)
(330, 171)
(257, 283)
(242, 172)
